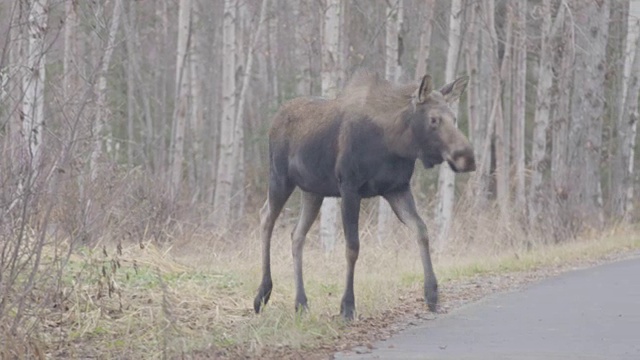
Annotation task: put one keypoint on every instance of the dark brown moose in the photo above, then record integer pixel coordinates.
(362, 144)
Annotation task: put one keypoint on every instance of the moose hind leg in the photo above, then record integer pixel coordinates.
(350, 217)
(404, 207)
(310, 207)
(278, 196)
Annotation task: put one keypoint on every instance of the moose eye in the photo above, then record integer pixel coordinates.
(434, 121)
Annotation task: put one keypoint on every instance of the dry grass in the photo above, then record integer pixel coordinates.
(147, 302)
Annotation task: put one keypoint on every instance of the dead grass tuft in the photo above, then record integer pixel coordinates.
(193, 299)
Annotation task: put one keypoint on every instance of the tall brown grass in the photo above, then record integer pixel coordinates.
(111, 268)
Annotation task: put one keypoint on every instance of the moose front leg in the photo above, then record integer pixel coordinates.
(350, 216)
(404, 207)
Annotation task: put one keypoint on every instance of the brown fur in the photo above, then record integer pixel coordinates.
(364, 143)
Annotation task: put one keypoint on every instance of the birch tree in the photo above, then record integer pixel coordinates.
(70, 67)
(11, 80)
(519, 102)
(242, 99)
(131, 92)
(626, 127)
(587, 109)
(226, 156)
(446, 179)
(196, 119)
(33, 84)
(502, 92)
(424, 49)
(330, 76)
(181, 111)
(542, 113)
(393, 71)
(101, 100)
(561, 117)
(481, 61)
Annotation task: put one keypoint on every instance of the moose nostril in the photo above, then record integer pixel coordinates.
(464, 160)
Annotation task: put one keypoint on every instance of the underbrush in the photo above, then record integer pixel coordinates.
(111, 269)
(147, 301)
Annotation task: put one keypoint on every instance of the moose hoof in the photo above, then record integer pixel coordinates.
(347, 311)
(261, 299)
(301, 306)
(432, 299)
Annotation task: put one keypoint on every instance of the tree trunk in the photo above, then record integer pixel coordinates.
(132, 44)
(393, 71)
(226, 165)
(587, 110)
(12, 86)
(561, 122)
(623, 176)
(196, 121)
(33, 85)
(519, 105)
(542, 115)
(424, 50)
(482, 67)
(446, 180)
(330, 76)
(101, 101)
(244, 93)
(181, 111)
(70, 69)
(502, 130)
(131, 110)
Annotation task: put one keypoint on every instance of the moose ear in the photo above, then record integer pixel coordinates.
(453, 90)
(426, 87)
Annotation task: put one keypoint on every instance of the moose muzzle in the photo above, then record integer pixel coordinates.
(462, 160)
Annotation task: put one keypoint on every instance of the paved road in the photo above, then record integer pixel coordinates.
(585, 314)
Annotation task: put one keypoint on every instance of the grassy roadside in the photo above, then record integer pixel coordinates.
(153, 303)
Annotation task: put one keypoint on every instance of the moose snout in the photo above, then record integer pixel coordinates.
(462, 160)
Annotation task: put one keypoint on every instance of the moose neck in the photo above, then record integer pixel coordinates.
(400, 137)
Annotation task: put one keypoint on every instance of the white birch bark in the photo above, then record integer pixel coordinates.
(70, 68)
(481, 56)
(519, 105)
(181, 111)
(196, 119)
(623, 176)
(244, 92)
(101, 101)
(33, 84)
(502, 131)
(446, 179)
(587, 110)
(12, 81)
(330, 75)
(542, 114)
(393, 72)
(132, 45)
(131, 96)
(424, 49)
(471, 57)
(226, 166)
(562, 111)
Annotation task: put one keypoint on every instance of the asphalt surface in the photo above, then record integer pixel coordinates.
(585, 314)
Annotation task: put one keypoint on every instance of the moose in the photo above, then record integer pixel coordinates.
(362, 144)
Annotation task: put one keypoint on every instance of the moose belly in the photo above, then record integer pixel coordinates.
(390, 178)
(315, 177)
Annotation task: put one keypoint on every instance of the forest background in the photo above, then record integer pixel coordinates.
(145, 122)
